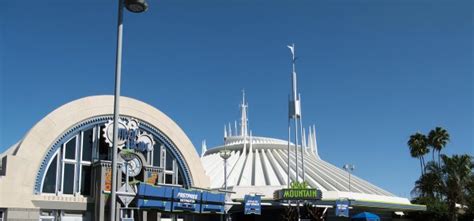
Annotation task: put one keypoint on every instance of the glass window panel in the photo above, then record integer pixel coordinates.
(163, 157)
(86, 180)
(180, 178)
(87, 145)
(169, 178)
(68, 186)
(169, 161)
(71, 149)
(49, 184)
(156, 154)
(103, 146)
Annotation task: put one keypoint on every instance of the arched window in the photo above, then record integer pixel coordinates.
(69, 171)
(69, 167)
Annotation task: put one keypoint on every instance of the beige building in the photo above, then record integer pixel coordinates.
(60, 170)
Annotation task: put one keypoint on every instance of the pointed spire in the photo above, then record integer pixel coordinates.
(235, 127)
(304, 144)
(245, 144)
(230, 130)
(294, 104)
(310, 138)
(243, 118)
(315, 142)
(203, 148)
(251, 141)
(225, 131)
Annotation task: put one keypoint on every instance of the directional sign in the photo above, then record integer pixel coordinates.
(227, 199)
(252, 204)
(342, 208)
(126, 194)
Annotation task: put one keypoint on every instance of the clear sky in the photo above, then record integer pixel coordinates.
(371, 72)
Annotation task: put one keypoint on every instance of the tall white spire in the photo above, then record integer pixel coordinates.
(315, 142)
(304, 144)
(251, 141)
(243, 118)
(203, 148)
(236, 133)
(225, 131)
(295, 107)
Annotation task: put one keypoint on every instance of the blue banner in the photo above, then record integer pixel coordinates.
(342, 208)
(154, 197)
(177, 199)
(154, 204)
(186, 200)
(213, 202)
(253, 204)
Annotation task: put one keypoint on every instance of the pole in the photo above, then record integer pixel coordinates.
(295, 113)
(296, 148)
(296, 109)
(118, 72)
(225, 174)
(302, 142)
(225, 184)
(289, 137)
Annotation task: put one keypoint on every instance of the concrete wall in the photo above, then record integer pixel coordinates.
(21, 214)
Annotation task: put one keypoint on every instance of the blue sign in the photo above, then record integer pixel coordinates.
(177, 199)
(342, 208)
(253, 204)
(186, 200)
(213, 202)
(154, 204)
(154, 197)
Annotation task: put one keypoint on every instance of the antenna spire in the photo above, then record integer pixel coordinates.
(203, 148)
(243, 119)
(315, 143)
(294, 106)
(225, 131)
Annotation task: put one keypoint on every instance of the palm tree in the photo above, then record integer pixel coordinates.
(457, 174)
(437, 140)
(429, 184)
(418, 145)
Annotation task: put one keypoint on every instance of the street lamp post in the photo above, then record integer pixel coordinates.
(135, 6)
(225, 154)
(349, 168)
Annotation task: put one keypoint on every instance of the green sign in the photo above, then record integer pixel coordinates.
(298, 191)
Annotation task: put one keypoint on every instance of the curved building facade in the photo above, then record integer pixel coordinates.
(61, 169)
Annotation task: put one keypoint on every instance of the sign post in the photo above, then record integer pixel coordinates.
(253, 204)
(342, 208)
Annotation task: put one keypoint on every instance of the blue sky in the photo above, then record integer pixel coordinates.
(371, 72)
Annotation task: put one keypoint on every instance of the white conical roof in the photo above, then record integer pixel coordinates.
(259, 164)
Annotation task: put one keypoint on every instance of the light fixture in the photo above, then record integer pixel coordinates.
(136, 6)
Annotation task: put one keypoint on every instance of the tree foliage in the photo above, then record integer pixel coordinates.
(446, 186)
(418, 144)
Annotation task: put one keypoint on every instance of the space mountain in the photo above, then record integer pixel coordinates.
(260, 165)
